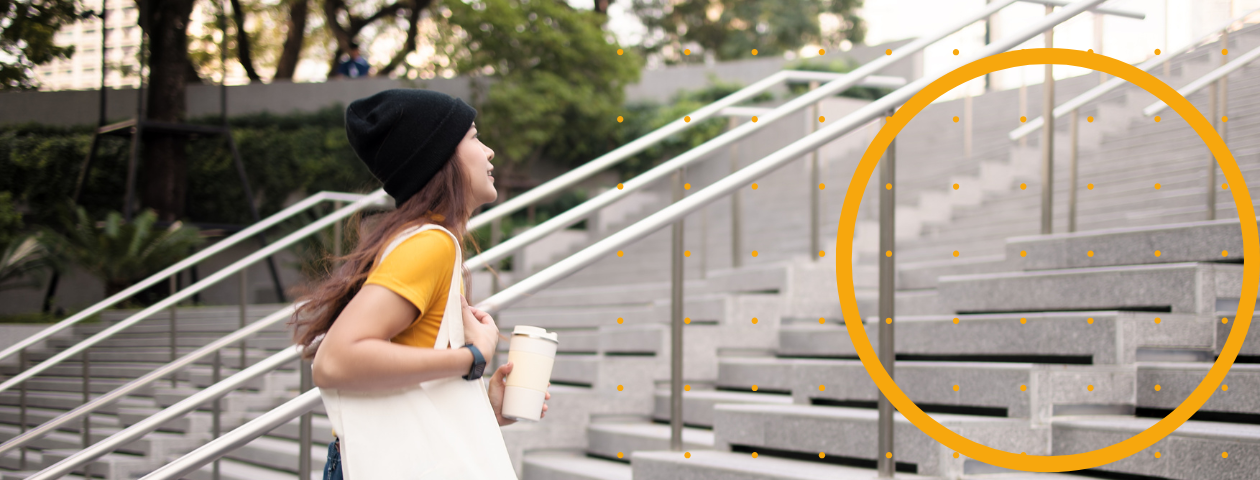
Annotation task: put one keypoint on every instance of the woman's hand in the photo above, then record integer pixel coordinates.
(480, 329)
(498, 382)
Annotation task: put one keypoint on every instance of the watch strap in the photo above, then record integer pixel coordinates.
(479, 360)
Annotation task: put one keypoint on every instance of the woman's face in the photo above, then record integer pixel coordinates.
(476, 162)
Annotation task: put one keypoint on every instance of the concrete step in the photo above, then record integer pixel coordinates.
(1187, 242)
(278, 454)
(1008, 390)
(1238, 393)
(1111, 337)
(112, 466)
(154, 445)
(1195, 450)
(68, 401)
(669, 465)
(236, 470)
(851, 432)
(1175, 287)
(698, 403)
(183, 339)
(620, 440)
(570, 465)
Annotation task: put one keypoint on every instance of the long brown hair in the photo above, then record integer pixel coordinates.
(442, 201)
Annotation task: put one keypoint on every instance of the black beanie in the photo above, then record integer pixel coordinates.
(406, 135)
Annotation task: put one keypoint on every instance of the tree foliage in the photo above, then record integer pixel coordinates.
(27, 31)
(121, 253)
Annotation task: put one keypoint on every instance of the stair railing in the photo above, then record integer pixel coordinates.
(1072, 107)
(672, 214)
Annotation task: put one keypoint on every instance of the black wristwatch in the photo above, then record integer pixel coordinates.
(479, 363)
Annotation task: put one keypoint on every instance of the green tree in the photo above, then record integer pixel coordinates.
(558, 79)
(27, 28)
(120, 253)
(731, 29)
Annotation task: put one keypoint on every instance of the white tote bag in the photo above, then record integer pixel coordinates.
(439, 429)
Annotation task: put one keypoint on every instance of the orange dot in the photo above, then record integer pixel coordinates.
(687, 387)
(687, 320)
(754, 454)
(1089, 320)
(754, 253)
(620, 51)
(620, 388)
(821, 320)
(955, 51)
(1089, 387)
(687, 118)
(955, 320)
(955, 186)
(1089, 253)
(1022, 119)
(754, 119)
(1157, 186)
(619, 454)
(888, 455)
(1089, 119)
(687, 454)
(1224, 119)
(687, 52)
(1023, 321)
(1157, 320)
(822, 253)
(1023, 253)
(887, 186)
(754, 186)
(1090, 50)
(1156, 454)
(686, 186)
(888, 320)
(619, 119)
(955, 387)
(754, 320)
(822, 52)
(888, 253)
(1157, 119)
(822, 118)
(1023, 186)
(955, 454)
(1157, 51)
(821, 455)
(822, 186)
(888, 51)
(620, 320)
(1224, 51)
(620, 186)
(822, 387)
(1157, 253)
(955, 118)
(754, 388)
(955, 253)
(1225, 387)
(1090, 186)
(1023, 388)
(1224, 319)
(1157, 388)
(1224, 454)
(1224, 186)
(754, 51)
(620, 253)
(686, 253)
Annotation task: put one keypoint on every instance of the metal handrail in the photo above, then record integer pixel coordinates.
(374, 198)
(624, 152)
(219, 246)
(668, 215)
(840, 84)
(1206, 80)
(1097, 92)
(1100, 10)
(158, 374)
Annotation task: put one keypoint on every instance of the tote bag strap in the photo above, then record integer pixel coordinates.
(451, 332)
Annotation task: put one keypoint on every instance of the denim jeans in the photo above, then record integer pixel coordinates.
(332, 467)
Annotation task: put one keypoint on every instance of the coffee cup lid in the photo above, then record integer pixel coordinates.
(537, 332)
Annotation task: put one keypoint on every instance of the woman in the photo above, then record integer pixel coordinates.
(379, 322)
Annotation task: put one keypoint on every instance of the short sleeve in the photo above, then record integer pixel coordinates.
(419, 269)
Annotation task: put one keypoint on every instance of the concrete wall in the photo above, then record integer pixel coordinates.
(80, 107)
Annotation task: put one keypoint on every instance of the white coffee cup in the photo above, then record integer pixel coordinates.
(532, 354)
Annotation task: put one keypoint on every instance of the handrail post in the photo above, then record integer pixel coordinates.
(887, 291)
(967, 132)
(243, 300)
(22, 408)
(173, 288)
(676, 330)
(1023, 105)
(87, 419)
(1075, 125)
(815, 241)
(1047, 139)
(216, 426)
(736, 260)
(304, 425)
(1217, 108)
(337, 234)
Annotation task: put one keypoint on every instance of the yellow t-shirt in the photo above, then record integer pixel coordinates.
(419, 270)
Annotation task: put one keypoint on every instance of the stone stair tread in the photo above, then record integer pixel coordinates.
(577, 465)
(858, 413)
(237, 470)
(766, 467)
(656, 430)
(1192, 428)
(735, 397)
